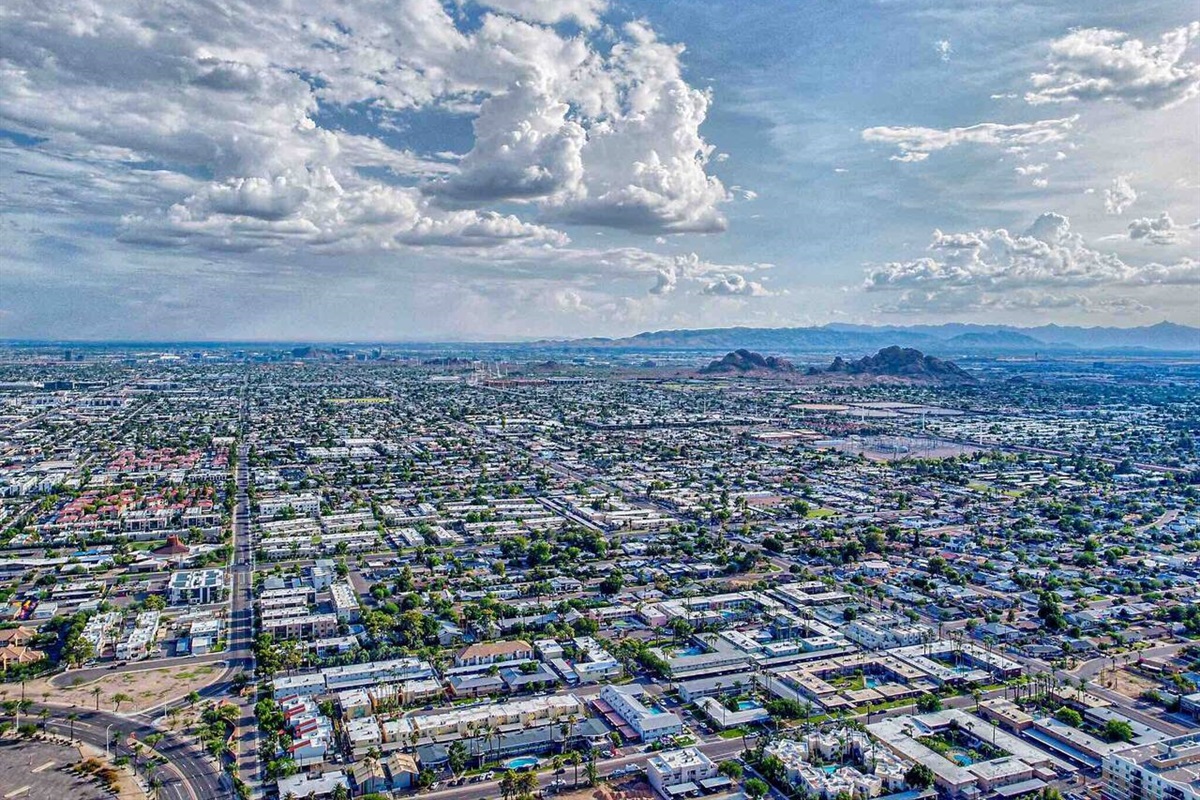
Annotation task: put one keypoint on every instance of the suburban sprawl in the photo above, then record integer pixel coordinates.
(358, 571)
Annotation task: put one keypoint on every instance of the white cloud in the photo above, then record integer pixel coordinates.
(525, 148)
(963, 300)
(1098, 64)
(735, 285)
(1155, 230)
(247, 109)
(312, 209)
(613, 142)
(1119, 196)
(989, 268)
(550, 12)
(917, 143)
(1031, 169)
(944, 49)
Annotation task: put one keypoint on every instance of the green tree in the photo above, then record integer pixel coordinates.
(928, 703)
(1069, 716)
(756, 788)
(1118, 730)
(919, 776)
(118, 698)
(457, 755)
(612, 583)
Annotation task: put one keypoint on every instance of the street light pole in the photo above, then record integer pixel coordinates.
(107, 755)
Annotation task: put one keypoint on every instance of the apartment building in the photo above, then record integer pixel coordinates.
(679, 773)
(633, 718)
(1167, 770)
(196, 587)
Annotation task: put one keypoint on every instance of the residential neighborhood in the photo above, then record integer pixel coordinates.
(388, 574)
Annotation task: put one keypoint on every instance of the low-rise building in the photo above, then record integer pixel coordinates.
(633, 718)
(196, 587)
(679, 773)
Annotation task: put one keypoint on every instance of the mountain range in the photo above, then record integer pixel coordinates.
(945, 339)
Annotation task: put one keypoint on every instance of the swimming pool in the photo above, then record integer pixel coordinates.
(746, 705)
(524, 762)
(960, 757)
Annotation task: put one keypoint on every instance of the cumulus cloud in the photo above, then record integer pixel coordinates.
(314, 209)
(1155, 230)
(734, 285)
(917, 143)
(988, 268)
(525, 147)
(1099, 64)
(688, 270)
(246, 112)
(584, 12)
(944, 49)
(1119, 196)
(611, 141)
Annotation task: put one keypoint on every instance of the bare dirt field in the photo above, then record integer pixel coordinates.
(128, 691)
(1125, 682)
(626, 790)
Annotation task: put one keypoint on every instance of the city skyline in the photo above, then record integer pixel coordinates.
(511, 169)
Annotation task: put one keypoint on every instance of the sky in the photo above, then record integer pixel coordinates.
(386, 170)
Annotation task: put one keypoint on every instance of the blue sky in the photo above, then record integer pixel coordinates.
(520, 168)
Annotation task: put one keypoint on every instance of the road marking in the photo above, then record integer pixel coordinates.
(17, 792)
(43, 767)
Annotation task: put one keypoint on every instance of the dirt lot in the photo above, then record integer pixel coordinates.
(627, 790)
(142, 688)
(1125, 682)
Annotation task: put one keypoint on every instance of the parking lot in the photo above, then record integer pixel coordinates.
(37, 771)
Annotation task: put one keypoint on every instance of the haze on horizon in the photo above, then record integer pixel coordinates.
(525, 168)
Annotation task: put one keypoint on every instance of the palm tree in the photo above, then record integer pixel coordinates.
(118, 698)
(526, 783)
(96, 694)
(71, 718)
(508, 783)
(575, 759)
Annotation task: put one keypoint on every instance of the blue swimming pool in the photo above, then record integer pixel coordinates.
(746, 705)
(524, 762)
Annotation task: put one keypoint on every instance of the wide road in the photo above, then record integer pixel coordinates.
(241, 615)
(189, 773)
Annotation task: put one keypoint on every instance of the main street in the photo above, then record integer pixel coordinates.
(241, 623)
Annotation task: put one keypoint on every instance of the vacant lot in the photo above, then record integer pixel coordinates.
(622, 790)
(1127, 683)
(128, 691)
